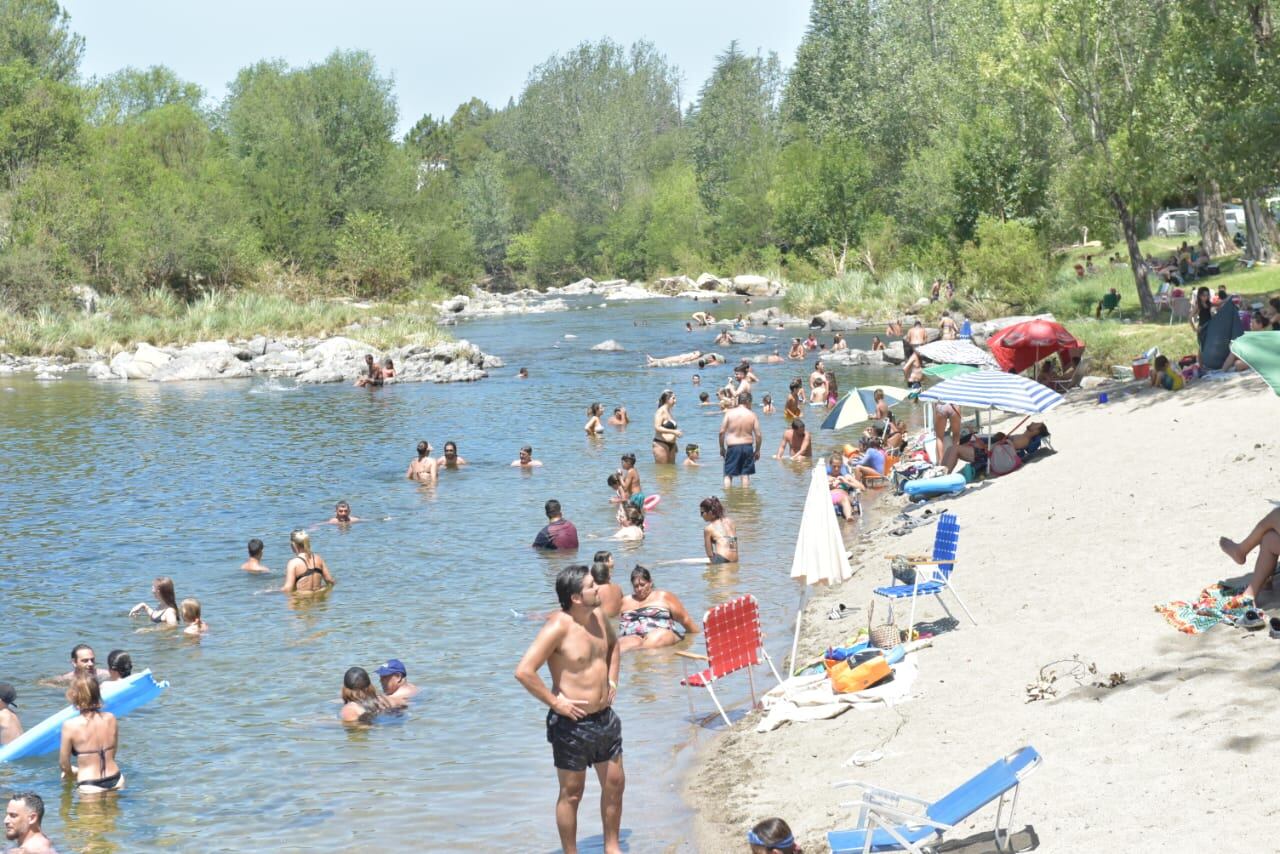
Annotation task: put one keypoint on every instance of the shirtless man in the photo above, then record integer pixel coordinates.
(796, 443)
(773, 358)
(740, 441)
(254, 563)
(22, 819)
(342, 515)
(526, 460)
(580, 648)
(10, 726)
(374, 376)
(396, 687)
(741, 382)
(672, 361)
(620, 418)
(724, 339)
(916, 336)
(450, 460)
(818, 383)
(423, 469)
(82, 661)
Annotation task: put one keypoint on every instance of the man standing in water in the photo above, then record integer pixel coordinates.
(450, 460)
(22, 819)
(423, 469)
(559, 534)
(579, 647)
(342, 515)
(740, 441)
(254, 563)
(395, 682)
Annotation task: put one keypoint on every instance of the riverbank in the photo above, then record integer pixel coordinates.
(1065, 558)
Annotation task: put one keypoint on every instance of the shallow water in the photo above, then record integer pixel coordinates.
(106, 486)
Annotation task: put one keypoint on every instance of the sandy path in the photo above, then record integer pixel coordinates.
(1065, 557)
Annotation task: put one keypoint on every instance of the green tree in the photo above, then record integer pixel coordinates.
(547, 251)
(820, 196)
(35, 33)
(131, 92)
(1005, 261)
(487, 202)
(373, 254)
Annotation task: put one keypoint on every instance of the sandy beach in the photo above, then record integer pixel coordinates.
(1064, 558)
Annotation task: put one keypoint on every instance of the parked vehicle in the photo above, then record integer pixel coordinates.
(1234, 215)
(1179, 221)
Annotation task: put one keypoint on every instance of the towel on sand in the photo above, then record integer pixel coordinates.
(810, 698)
(1216, 603)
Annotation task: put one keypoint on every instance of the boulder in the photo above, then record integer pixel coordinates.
(854, 357)
(102, 371)
(210, 349)
(455, 304)
(616, 283)
(214, 366)
(756, 286)
(582, 286)
(893, 353)
(609, 346)
(257, 346)
(88, 298)
(282, 362)
(630, 292)
(746, 338)
(676, 286)
(142, 364)
(833, 322)
(708, 282)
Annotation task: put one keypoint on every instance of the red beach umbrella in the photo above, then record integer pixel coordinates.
(1021, 345)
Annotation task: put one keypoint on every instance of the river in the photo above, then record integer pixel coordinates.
(105, 486)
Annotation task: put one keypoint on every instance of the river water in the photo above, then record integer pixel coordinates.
(105, 486)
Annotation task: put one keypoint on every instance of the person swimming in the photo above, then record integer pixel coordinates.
(720, 536)
(360, 700)
(632, 524)
(191, 616)
(650, 617)
(593, 425)
(167, 611)
(691, 454)
(306, 571)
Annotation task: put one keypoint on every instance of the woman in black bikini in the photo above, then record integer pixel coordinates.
(720, 536)
(306, 571)
(167, 612)
(92, 736)
(665, 431)
(360, 700)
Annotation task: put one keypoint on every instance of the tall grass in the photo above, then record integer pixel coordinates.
(158, 317)
(857, 294)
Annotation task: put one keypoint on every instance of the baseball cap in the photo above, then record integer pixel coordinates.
(8, 694)
(393, 665)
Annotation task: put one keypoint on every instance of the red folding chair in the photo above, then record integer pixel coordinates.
(734, 642)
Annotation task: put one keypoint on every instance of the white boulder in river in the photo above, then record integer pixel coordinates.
(609, 345)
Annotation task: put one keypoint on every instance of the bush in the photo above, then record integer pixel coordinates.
(372, 254)
(547, 251)
(1005, 262)
(30, 279)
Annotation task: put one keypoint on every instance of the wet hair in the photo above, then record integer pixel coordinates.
(629, 458)
(691, 447)
(613, 480)
(634, 514)
(602, 556)
(744, 399)
(424, 448)
(302, 540)
(641, 572)
(600, 572)
(75, 650)
(448, 445)
(768, 400)
(702, 363)
(342, 505)
(617, 410)
(704, 397)
(164, 589)
(527, 449)
(712, 507)
(551, 508)
(569, 584)
(879, 395)
(795, 384)
(190, 610)
(84, 693)
(594, 409)
(357, 687)
(119, 661)
(772, 832)
(797, 424)
(666, 395)
(31, 802)
(255, 547)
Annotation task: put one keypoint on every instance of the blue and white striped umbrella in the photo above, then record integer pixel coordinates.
(995, 390)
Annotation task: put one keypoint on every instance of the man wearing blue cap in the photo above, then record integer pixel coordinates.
(395, 682)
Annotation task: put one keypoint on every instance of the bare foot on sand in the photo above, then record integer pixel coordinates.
(1232, 549)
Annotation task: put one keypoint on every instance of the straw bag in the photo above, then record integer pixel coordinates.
(883, 636)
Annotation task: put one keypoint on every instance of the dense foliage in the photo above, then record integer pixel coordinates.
(913, 137)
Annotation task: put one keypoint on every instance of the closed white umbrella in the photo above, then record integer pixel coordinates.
(820, 556)
(958, 352)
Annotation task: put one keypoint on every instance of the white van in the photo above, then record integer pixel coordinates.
(1179, 221)
(1234, 215)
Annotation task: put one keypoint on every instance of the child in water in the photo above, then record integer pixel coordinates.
(632, 524)
(191, 616)
(767, 404)
(691, 454)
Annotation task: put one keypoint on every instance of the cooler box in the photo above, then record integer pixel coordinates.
(1141, 369)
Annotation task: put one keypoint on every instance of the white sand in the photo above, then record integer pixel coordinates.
(1065, 557)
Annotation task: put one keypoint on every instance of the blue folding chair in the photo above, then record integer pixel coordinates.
(884, 826)
(945, 542)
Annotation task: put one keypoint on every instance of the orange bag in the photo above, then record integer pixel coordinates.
(854, 679)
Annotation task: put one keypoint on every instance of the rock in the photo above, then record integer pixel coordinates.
(755, 286)
(676, 286)
(282, 362)
(773, 315)
(855, 357)
(142, 364)
(893, 353)
(90, 355)
(196, 366)
(609, 346)
(833, 322)
(102, 371)
(341, 348)
(87, 297)
(746, 338)
(316, 376)
(258, 346)
(455, 304)
(708, 282)
(615, 283)
(209, 349)
(630, 292)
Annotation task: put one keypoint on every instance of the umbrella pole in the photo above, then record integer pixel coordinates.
(795, 641)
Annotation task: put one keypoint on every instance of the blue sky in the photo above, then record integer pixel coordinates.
(440, 54)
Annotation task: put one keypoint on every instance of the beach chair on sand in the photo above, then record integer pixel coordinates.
(734, 642)
(884, 826)
(945, 542)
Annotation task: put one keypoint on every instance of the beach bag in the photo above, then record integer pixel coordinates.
(883, 636)
(1003, 459)
(903, 571)
(854, 679)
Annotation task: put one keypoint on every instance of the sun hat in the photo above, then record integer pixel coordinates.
(393, 666)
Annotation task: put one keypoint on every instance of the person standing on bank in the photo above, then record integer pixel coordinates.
(580, 648)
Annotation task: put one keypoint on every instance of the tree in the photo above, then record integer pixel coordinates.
(35, 32)
(487, 202)
(821, 198)
(131, 92)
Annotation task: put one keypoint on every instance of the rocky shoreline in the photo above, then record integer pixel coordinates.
(305, 360)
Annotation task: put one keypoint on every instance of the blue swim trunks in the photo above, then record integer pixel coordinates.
(739, 460)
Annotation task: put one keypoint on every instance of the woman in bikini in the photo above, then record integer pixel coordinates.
(593, 425)
(665, 430)
(360, 700)
(167, 611)
(92, 736)
(651, 618)
(306, 572)
(720, 536)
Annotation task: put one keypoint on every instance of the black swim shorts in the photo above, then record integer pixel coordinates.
(577, 745)
(739, 460)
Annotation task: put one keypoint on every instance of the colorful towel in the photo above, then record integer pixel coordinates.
(1217, 603)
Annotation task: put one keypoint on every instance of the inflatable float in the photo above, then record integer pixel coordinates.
(46, 736)
(651, 501)
(948, 484)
